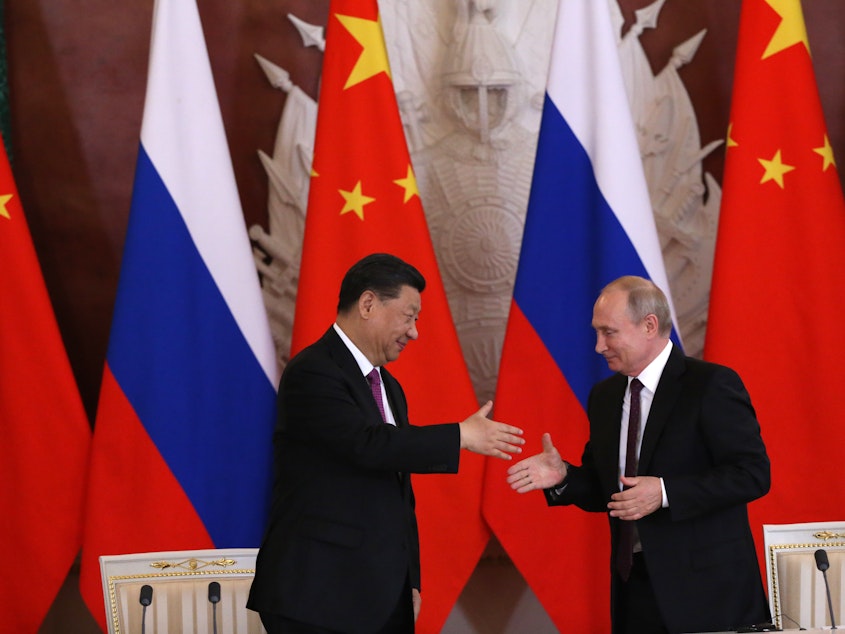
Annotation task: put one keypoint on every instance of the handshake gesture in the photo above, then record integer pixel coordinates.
(487, 437)
(540, 471)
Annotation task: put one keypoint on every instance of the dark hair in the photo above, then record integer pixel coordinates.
(381, 273)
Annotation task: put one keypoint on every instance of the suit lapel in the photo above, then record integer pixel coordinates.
(362, 393)
(346, 362)
(395, 399)
(400, 414)
(668, 391)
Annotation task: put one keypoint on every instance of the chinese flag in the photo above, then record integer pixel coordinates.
(45, 430)
(778, 294)
(364, 199)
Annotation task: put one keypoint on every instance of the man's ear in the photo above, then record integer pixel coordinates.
(651, 325)
(366, 303)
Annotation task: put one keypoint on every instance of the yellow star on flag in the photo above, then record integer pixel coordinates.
(775, 169)
(3, 211)
(791, 29)
(826, 152)
(355, 201)
(730, 141)
(373, 59)
(409, 184)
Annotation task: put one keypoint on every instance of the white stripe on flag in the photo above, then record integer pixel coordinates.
(586, 85)
(182, 105)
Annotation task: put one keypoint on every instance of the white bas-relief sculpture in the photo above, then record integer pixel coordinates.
(471, 116)
(278, 249)
(670, 146)
(469, 76)
(471, 109)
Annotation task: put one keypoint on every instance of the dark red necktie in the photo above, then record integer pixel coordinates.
(374, 379)
(625, 547)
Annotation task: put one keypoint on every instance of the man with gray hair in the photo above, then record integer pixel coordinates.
(674, 456)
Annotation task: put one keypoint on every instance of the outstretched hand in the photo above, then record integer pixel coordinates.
(487, 437)
(541, 471)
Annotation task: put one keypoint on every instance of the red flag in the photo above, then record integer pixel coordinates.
(777, 299)
(44, 426)
(364, 199)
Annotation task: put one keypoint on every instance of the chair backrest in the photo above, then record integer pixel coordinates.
(180, 591)
(797, 595)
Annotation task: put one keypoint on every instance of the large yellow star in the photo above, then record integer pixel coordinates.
(4, 213)
(791, 29)
(355, 201)
(373, 58)
(409, 184)
(775, 169)
(826, 152)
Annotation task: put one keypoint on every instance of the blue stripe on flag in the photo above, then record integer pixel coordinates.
(188, 371)
(572, 246)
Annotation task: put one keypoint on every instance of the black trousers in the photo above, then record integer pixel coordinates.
(636, 610)
(401, 621)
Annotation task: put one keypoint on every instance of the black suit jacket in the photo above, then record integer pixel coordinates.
(342, 536)
(703, 439)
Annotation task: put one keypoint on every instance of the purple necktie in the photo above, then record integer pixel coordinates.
(374, 379)
(625, 548)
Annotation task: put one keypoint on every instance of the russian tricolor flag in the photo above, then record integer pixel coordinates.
(182, 453)
(589, 221)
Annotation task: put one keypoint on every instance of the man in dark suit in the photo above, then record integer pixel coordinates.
(341, 552)
(676, 490)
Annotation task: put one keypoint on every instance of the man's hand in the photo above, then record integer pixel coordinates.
(417, 599)
(481, 435)
(541, 471)
(643, 496)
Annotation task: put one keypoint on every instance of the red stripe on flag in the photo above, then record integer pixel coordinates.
(131, 477)
(559, 551)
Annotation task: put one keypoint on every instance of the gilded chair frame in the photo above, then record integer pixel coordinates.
(797, 596)
(179, 580)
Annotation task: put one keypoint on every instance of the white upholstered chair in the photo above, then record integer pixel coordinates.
(180, 591)
(797, 595)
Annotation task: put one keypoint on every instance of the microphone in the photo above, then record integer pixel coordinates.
(145, 599)
(821, 560)
(823, 564)
(214, 592)
(214, 599)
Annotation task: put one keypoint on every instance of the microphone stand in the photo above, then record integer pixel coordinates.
(214, 599)
(823, 564)
(145, 599)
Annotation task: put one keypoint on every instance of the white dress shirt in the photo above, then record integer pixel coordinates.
(366, 368)
(649, 377)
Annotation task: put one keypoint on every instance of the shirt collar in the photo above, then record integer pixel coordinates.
(650, 376)
(360, 358)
